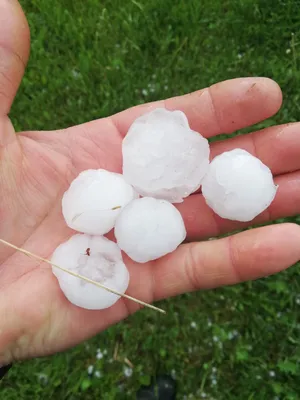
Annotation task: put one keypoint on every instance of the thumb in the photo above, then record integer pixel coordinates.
(14, 51)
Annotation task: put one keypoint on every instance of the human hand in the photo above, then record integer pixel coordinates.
(37, 167)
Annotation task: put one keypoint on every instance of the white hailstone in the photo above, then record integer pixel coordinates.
(163, 157)
(94, 200)
(96, 258)
(238, 186)
(149, 228)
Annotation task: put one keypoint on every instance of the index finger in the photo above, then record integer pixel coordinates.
(222, 108)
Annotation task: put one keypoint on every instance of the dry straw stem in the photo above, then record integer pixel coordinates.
(32, 255)
(128, 362)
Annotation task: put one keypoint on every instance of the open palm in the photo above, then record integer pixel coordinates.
(37, 167)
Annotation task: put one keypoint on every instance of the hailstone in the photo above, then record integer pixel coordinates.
(163, 157)
(238, 186)
(94, 200)
(96, 258)
(149, 228)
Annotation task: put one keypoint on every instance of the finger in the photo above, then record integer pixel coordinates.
(201, 222)
(245, 256)
(14, 51)
(278, 147)
(221, 108)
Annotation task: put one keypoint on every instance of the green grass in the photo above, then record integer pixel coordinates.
(92, 58)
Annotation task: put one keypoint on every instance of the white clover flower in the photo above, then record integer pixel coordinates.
(43, 378)
(90, 369)
(98, 374)
(127, 371)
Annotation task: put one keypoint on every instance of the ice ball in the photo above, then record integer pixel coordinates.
(238, 186)
(96, 258)
(149, 228)
(94, 200)
(163, 157)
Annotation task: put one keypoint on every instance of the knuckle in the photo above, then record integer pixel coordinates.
(193, 266)
(234, 253)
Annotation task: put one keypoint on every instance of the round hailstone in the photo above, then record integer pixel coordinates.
(94, 200)
(96, 258)
(163, 157)
(149, 228)
(238, 186)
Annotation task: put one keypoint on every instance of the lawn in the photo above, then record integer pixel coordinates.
(93, 58)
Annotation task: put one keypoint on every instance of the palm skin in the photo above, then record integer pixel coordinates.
(37, 167)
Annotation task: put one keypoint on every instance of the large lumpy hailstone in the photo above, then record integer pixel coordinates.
(149, 228)
(96, 258)
(238, 186)
(163, 157)
(94, 200)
